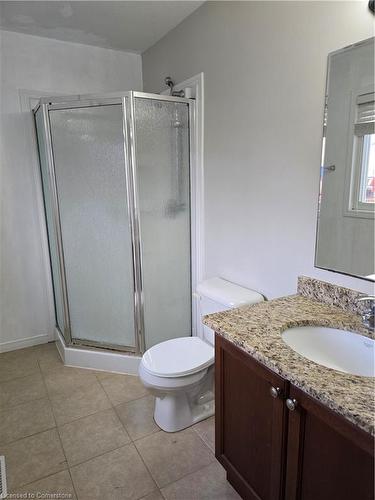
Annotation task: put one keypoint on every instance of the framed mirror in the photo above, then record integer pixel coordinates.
(345, 229)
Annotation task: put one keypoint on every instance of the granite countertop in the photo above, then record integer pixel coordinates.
(257, 330)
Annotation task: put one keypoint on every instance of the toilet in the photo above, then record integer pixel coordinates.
(180, 372)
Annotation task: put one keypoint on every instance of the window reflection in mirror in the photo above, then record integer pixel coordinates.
(345, 230)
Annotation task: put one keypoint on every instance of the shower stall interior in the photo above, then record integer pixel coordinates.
(116, 183)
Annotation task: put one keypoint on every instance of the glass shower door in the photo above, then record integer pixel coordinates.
(88, 149)
(162, 170)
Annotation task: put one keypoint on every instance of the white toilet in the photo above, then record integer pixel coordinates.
(180, 372)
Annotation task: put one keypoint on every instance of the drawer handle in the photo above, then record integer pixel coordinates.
(291, 404)
(275, 392)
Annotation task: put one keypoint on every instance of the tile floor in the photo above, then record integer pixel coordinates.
(90, 435)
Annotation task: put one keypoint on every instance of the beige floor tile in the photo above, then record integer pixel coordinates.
(119, 474)
(138, 417)
(80, 402)
(91, 436)
(57, 484)
(123, 388)
(33, 458)
(49, 358)
(104, 374)
(17, 364)
(171, 456)
(24, 362)
(25, 420)
(208, 483)
(206, 430)
(154, 495)
(63, 380)
(21, 390)
(43, 350)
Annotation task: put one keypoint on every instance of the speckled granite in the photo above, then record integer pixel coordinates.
(257, 330)
(345, 298)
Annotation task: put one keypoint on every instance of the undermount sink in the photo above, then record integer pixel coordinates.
(341, 350)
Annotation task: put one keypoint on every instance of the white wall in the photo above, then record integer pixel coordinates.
(44, 66)
(265, 68)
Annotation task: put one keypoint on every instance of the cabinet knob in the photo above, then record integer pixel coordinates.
(291, 404)
(275, 392)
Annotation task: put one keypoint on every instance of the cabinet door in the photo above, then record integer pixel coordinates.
(250, 423)
(328, 458)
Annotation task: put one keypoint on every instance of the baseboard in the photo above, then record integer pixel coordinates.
(97, 359)
(12, 345)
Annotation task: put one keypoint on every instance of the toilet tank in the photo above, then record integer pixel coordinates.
(217, 294)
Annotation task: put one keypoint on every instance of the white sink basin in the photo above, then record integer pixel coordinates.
(338, 349)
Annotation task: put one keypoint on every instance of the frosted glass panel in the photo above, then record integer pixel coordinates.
(162, 155)
(88, 149)
(55, 269)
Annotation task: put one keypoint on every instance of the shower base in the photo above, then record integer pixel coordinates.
(97, 359)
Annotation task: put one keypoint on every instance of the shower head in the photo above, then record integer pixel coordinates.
(170, 83)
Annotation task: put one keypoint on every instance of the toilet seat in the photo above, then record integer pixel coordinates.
(178, 357)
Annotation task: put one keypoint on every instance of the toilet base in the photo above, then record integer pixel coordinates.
(182, 401)
(175, 412)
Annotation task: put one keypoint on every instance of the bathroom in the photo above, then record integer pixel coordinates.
(227, 104)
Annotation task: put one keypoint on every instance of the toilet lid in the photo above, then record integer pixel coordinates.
(178, 357)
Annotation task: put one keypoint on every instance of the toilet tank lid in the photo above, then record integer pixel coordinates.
(228, 294)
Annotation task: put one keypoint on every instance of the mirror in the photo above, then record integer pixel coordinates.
(345, 229)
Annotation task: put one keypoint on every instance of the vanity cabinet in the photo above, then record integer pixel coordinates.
(250, 426)
(327, 456)
(276, 442)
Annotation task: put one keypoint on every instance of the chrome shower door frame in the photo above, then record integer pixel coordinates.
(131, 160)
(56, 222)
(126, 99)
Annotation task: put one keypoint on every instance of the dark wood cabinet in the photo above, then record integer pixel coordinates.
(250, 423)
(327, 456)
(272, 452)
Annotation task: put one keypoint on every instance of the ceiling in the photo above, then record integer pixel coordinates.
(131, 26)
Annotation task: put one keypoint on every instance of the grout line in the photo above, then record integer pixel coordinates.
(124, 425)
(144, 463)
(10, 408)
(162, 494)
(147, 435)
(167, 484)
(132, 441)
(34, 372)
(189, 473)
(122, 402)
(186, 475)
(81, 418)
(58, 395)
(35, 480)
(58, 434)
(110, 451)
(29, 435)
(130, 400)
(72, 466)
(204, 442)
(157, 490)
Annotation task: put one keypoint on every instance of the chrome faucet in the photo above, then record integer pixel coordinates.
(368, 315)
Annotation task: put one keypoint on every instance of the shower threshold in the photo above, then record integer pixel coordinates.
(96, 358)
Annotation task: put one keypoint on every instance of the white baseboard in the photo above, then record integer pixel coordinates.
(12, 345)
(96, 359)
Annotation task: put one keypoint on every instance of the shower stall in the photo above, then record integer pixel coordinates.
(117, 193)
